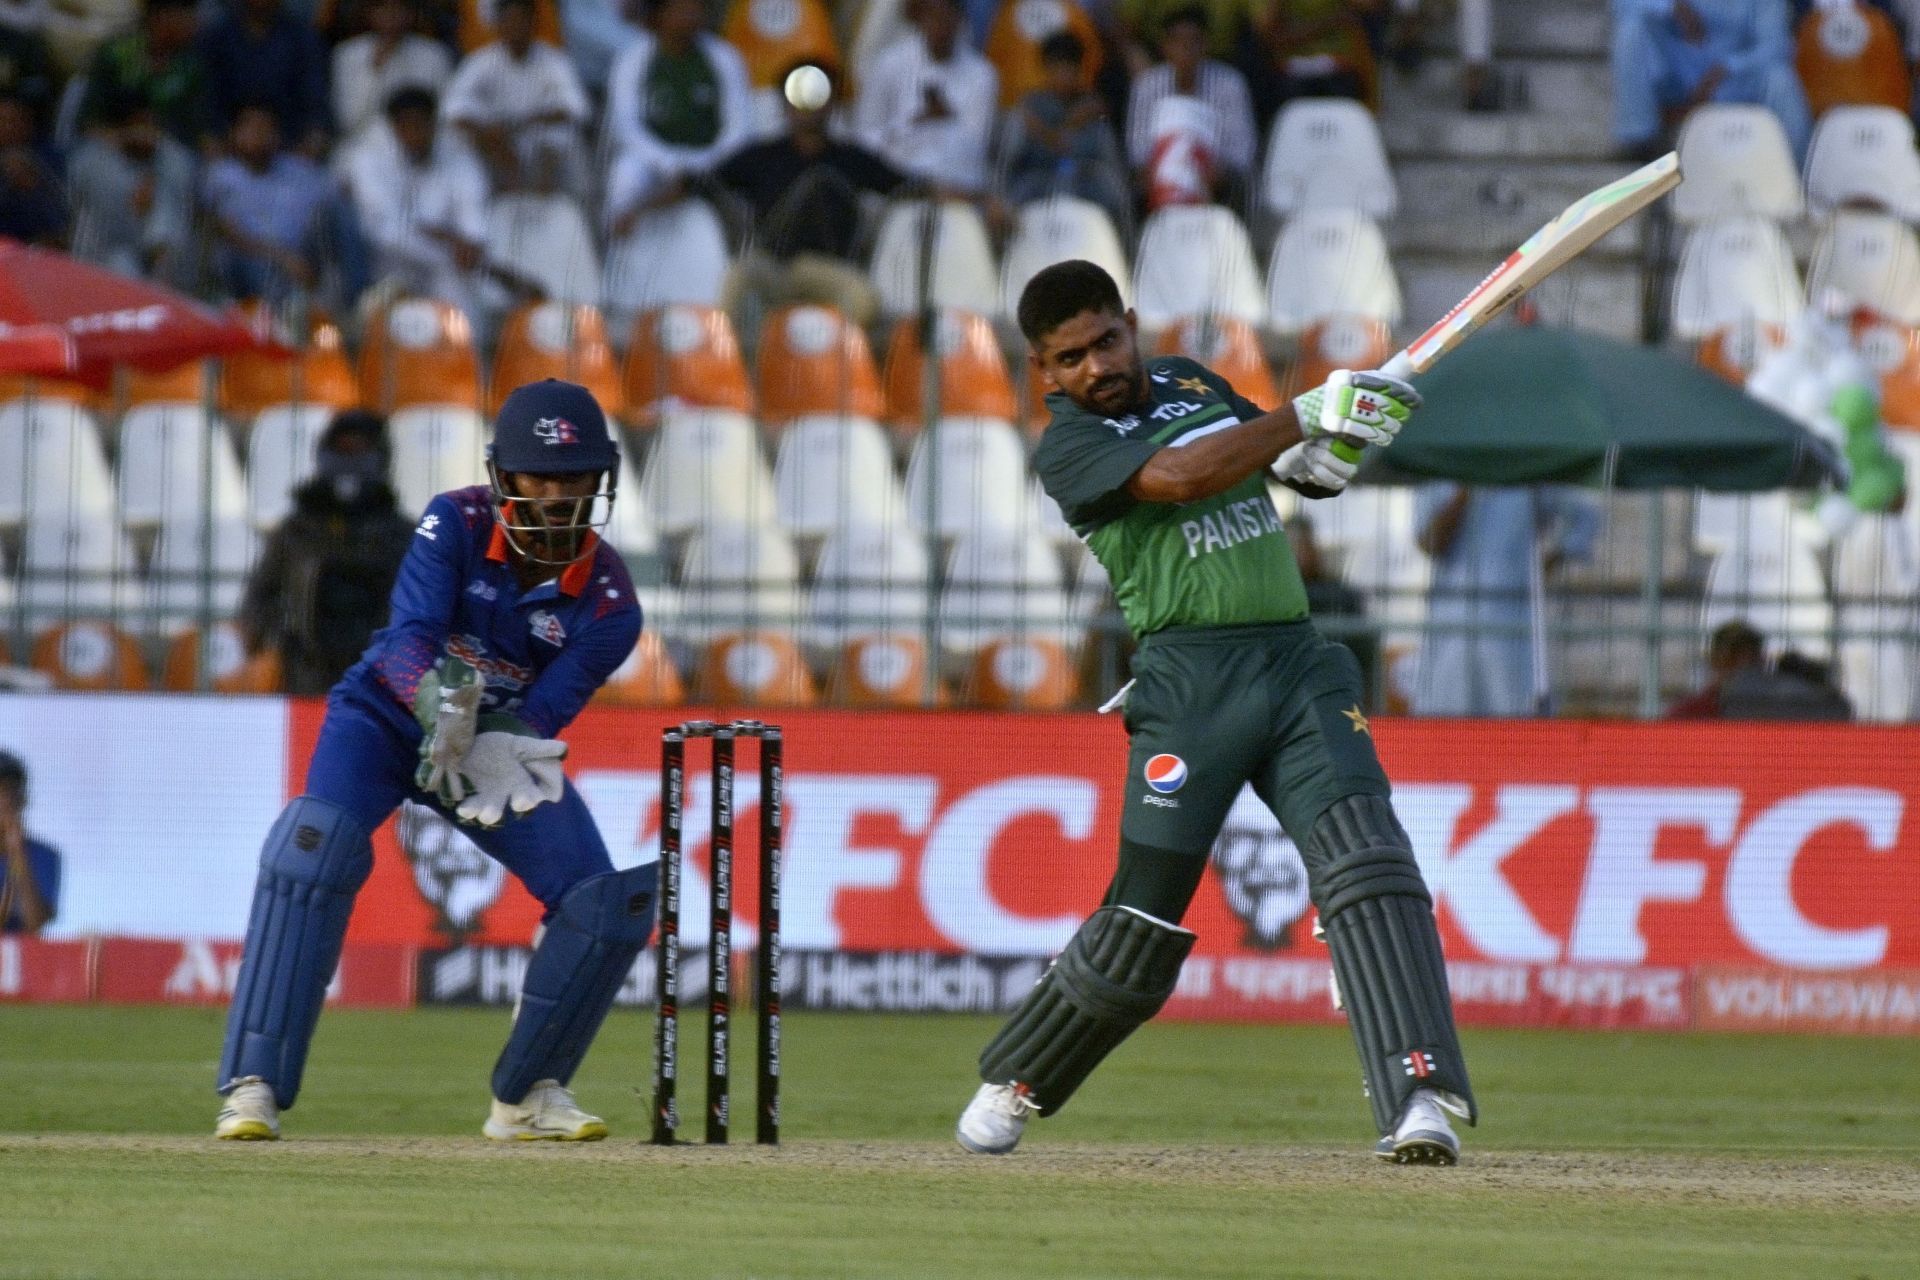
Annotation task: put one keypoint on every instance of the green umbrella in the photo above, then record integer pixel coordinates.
(1527, 405)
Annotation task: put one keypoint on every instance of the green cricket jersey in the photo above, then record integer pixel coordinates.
(1216, 562)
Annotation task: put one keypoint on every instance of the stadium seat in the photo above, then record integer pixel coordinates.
(973, 372)
(1864, 154)
(76, 566)
(545, 240)
(52, 465)
(684, 356)
(90, 656)
(1195, 260)
(869, 580)
(280, 457)
(1327, 152)
(419, 351)
(760, 668)
(647, 678)
(476, 27)
(1777, 588)
(1371, 531)
(883, 671)
(1875, 583)
(1014, 40)
(832, 471)
(1737, 161)
(1330, 262)
(1052, 230)
(185, 584)
(967, 475)
(879, 25)
(705, 467)
(1734, 351)
(673, 254)
(1001, 584)
(814, 360)
(964, 275)
(1030, 673)
(772, 35)
(1228, 346)
(188, 383)
(168, 452)
(739, 579)
(251, 382)
(435, 448)
(554, 340)
(1893, 351)
(1050, 522)
(1733, 270)
(230, 668)
(15, 386)
(1873, 260)
(1337, 342)
(631, 529)
(1849, 54)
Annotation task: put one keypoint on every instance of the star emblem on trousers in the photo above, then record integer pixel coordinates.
(1359, 719)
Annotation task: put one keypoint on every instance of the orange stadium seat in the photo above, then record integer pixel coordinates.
(419, 352)
(772, 35)
(1850, 55)
(1339, 342)
(1228, 346)
(761, 668)
(684, 355)
(815, 360)
(89, 655)
(647, 678)
(1027, 673)
(476, 23)
(254, 381)
(973, 373)
(233, 671)
(184, 384)
(882, 671)
(15, 386)
(1732, 352)
(555, 340)
(1013, 44)
(1893, 350)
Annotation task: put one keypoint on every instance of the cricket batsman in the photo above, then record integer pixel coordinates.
(1162, 469)
(509, 612)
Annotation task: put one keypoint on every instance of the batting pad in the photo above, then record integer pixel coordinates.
(1116, 973)
(586, 953)
(1378, 918)
(314, 861)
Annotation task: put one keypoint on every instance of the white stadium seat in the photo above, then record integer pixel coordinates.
(280, 457)
(185, 585)
(1873, 260)
(435, 448)
(631, 529)
(1049, 520)
(870, 580)
(167, 454)
(1737, 160)
(82, 565)
(1053, 230)
(1864, 153)
(1876, 582)
(1195, 260)
(1778, 589)
(547, 240)
(832, 471)
(674, 254)
(739, 578)
(1330, 262)
(1327, 152)
(964, 274)
(52, 464)
(1734, 270)
(1371, 530)
(1002, 584)
(705, 467)
(968, 474)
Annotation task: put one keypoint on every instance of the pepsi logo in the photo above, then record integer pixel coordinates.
(1166, 773)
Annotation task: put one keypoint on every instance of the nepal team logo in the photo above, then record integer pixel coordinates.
(556, 431)
(1166, 773)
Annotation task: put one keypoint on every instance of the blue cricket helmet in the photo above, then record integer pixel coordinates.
(552, 426)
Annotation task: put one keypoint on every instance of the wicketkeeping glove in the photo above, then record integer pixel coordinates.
(447, 705)
(510, 769)
(1356, 408)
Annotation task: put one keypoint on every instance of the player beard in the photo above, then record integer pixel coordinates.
(1116, 393)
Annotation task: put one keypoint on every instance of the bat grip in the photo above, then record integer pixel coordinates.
(1401, 367)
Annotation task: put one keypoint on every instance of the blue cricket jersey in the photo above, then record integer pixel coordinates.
(543, 653)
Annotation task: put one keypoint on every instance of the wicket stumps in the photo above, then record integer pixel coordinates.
(673, 768)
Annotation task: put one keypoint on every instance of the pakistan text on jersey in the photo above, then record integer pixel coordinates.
(1233, 524)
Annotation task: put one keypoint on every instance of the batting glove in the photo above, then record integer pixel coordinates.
(1363, 408)
(1313, 463)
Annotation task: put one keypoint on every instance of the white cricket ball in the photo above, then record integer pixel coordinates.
(808, 88)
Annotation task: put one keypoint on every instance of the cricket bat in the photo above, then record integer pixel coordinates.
(1569, 234)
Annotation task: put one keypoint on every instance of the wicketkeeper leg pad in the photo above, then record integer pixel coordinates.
(1116, 972)
(314, 861)
(1378, 918)
(587, 951)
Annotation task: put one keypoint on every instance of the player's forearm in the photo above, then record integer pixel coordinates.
(1216, 463)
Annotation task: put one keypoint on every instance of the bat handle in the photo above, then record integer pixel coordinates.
(1401, 367)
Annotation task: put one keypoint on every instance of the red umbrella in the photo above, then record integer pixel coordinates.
(38, 350)
(110, 319)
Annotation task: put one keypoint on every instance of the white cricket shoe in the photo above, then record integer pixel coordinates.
(250, 1114)
(992, 1123)
(1423, 1135)
(548, 1113)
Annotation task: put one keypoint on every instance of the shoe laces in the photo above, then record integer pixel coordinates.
(1015, 1101)
(551, 1093)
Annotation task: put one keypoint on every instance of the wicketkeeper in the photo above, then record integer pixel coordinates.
(508, 614)
(1162, 468)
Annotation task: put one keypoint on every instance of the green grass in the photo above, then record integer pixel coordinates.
(1197, 1151)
